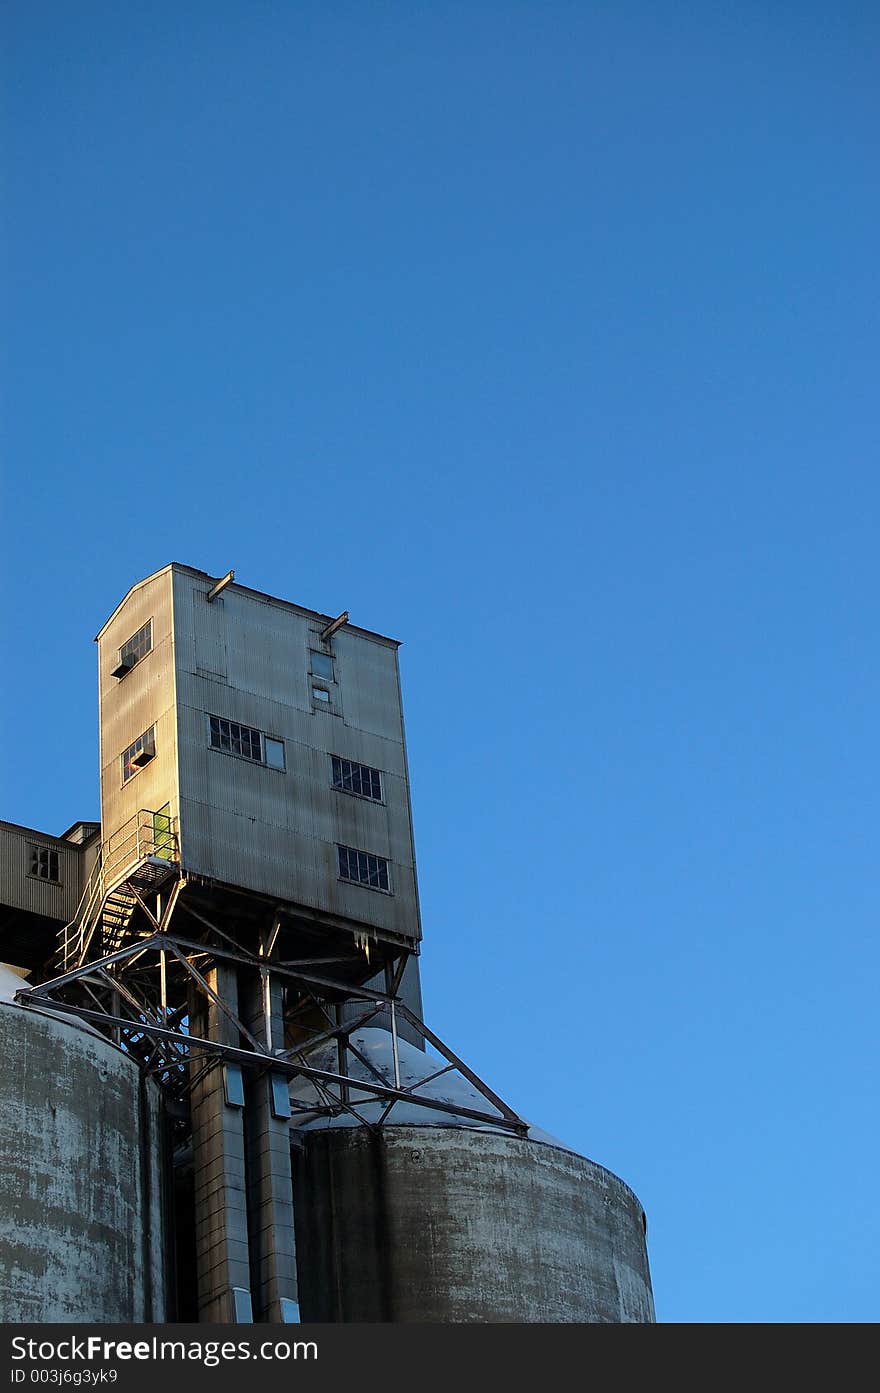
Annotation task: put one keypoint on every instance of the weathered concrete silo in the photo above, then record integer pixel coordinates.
(424, 1219)
(81, 1231)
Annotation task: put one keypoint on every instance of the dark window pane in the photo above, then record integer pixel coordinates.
(359, 779)
(138, 645)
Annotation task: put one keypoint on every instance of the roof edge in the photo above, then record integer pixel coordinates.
(248, 590)
(130, 591)
(51, 837)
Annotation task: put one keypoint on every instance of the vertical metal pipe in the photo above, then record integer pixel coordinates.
(266, 991)
(342, 1056)
(395, 1053)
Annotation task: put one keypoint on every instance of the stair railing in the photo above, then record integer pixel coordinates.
(148, 835)
(74, 937)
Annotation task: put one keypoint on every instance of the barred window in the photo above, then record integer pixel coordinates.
(45, 863)
(138, 754)
(139, 645)
(361, 779)
(363, 868)
(236, 739)
(135, 648)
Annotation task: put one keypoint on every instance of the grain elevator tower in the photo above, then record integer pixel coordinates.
(250, 936)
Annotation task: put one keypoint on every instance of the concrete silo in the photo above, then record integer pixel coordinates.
(431, 1218)
(81, 1175)
(250, 934)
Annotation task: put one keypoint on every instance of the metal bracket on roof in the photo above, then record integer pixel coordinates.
(335, 624)
(220, 585)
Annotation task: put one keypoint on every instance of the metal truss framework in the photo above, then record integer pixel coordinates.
(140, 996)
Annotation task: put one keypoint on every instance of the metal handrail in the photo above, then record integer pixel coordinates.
(73, 931)
(148, 835)
(137, 840)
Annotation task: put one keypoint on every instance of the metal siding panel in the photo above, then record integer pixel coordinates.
(276, 832)
(268, 651)
(128, 707)
(367, 675)
(23, 891)
(209, 634)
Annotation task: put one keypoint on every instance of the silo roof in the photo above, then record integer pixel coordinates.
(375, 1045)
(10, 983)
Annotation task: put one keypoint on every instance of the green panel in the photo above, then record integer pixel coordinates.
(163, 841)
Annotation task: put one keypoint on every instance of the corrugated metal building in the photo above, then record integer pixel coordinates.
(252, 722)
(42, 878)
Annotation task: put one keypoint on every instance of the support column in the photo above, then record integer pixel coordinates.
(273, 1242)
(222, 1257)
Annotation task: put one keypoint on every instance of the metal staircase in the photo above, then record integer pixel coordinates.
(133, 864)
(119, 905)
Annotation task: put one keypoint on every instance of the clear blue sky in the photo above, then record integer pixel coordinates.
(542, 336)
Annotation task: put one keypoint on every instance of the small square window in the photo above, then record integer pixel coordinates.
(321, 694)
(274, 752)
(44, 864)
(322, 666)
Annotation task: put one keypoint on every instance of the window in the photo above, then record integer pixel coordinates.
(135, 648)
(236, 739)
(274, 751)
(321, 694)
(139, 754)
(322, 665)
(44, 864)
(363, 868)
(251, 744)
(356, 778)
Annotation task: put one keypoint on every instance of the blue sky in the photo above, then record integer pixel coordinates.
(542, 337)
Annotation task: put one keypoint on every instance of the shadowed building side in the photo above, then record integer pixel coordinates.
(42, 878)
